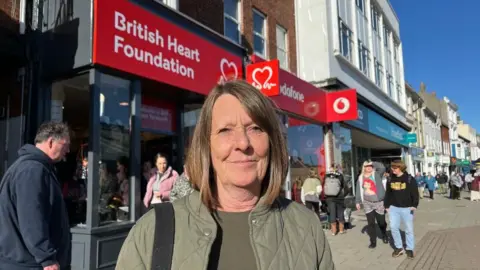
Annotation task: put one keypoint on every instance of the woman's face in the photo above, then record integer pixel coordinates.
(368, 169)
(161, 164)
(239, 148)
(120, 167)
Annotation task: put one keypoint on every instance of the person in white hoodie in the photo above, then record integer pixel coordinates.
(311, 190)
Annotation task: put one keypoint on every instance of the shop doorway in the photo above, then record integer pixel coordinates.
(153, 143)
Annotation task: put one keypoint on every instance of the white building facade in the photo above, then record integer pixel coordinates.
(453, 126)
(433, 141)
(356, 44)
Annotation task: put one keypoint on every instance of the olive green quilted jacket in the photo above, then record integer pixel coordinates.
(286, 236)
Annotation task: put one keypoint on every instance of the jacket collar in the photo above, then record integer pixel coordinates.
(198, 209)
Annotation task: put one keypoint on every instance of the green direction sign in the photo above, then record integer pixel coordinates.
(411, 138)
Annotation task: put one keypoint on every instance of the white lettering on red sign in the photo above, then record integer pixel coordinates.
(290, 92)
(341, 105)
(142, 32)
(263, 72)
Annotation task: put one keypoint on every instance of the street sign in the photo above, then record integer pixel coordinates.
(411, 138)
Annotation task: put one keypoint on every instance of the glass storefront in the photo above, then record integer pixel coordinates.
(343, 153)
(306, 148)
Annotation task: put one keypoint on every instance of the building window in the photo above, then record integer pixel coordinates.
(361, 5)
(399, 94)
(386, 35)
(346, 41)
(282, 55)
(364, 58)
(378, 73)
(259, 44)
(375, 19)
(390, 85)
(231, 21)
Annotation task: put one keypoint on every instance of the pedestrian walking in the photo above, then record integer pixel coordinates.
(182, 186)
(335, 198)
(401, 201)
(370, 192)
(430, 181)
(456, 185)
(442, 183)
(35, 232)
(475, 191)
(420, 179)
(311, 191)
(469, 179)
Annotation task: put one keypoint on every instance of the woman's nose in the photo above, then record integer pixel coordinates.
(242, 141)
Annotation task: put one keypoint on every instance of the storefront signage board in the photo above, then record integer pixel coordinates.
(297, 96)
(370, 121)
(130, 38)
(158, 115)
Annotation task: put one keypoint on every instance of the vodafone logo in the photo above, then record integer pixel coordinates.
(261, 78)
(341, 105)
(228, 69)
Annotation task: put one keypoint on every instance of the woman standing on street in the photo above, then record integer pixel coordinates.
(235, 218)
(457, 183)
(370, 192)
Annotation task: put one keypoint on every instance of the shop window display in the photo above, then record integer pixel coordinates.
(70, 103)
(344, 155)
(114, 171)
(306, 148)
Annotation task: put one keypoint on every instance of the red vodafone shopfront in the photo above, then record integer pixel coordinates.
(307, 108)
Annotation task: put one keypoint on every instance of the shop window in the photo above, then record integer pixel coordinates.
(344, 155)
(70, 103)
(306, 148)
(189, 120)
(114, 171)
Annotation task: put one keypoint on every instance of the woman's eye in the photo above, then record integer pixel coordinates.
(257, 129)
(223, 130)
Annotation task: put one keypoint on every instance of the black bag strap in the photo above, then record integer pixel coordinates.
(164, 236)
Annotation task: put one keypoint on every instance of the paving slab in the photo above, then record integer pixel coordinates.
(446, 233)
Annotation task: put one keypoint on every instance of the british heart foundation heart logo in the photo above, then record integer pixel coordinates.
(229, 70)
(261, 78)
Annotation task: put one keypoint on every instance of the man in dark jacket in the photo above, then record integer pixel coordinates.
(401, 201)
(35, 231)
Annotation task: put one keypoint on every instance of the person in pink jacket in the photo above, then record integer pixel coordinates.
(161, 182)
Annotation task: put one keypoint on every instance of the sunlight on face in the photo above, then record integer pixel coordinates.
(239, 147)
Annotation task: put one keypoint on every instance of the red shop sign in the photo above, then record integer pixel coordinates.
(158, 115)
(297, 96)
(130, 38)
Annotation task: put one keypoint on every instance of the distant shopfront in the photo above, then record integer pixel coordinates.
(375, 137)
(305, 110)
(418, 159)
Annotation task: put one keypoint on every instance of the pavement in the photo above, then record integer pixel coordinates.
(447, 236)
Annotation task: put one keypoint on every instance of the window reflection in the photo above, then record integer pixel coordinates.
(306, 148)
(114, 149)
(344, 155)
(71, 104)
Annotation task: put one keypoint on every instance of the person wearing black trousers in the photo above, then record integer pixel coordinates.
(370, 192)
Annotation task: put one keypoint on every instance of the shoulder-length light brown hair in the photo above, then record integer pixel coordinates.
(262, 111)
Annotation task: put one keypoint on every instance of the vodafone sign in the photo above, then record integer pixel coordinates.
(130, 38)
(297, 96)
(342, 106)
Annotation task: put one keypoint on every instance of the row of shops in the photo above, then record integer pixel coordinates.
(130, 77)
(424, 161)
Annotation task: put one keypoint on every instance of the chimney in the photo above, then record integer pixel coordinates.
(423, 88)
(434, 93)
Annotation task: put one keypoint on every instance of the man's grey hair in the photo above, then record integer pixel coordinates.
(53, 129)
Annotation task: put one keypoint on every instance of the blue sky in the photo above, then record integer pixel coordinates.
(441, 42)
